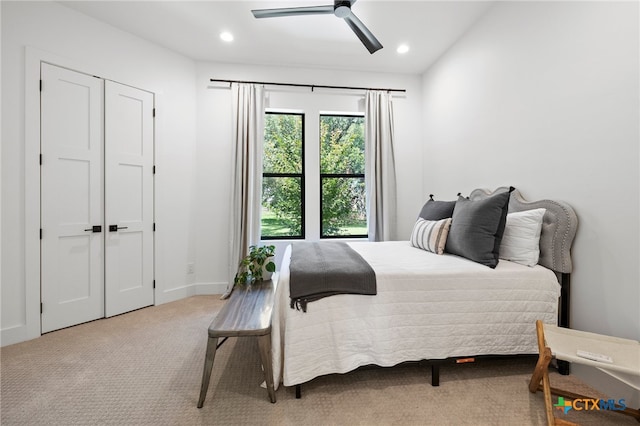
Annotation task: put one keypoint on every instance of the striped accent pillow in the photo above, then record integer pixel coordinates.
(430, 235)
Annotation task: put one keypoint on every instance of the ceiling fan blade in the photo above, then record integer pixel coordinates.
(366, 37)
(292, 11)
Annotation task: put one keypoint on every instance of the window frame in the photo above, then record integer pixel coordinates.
(300, 175)
(337, 176)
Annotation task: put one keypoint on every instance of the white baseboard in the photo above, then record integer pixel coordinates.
(15, 334)
(210, 288)
(189, 290)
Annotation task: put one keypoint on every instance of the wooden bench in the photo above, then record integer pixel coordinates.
(246, 313)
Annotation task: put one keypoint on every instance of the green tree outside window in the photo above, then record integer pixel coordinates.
(343, 203)
(283, 177)
(342, 191)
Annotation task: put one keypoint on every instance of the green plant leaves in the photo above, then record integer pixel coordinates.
(271, 267)
(251, 266)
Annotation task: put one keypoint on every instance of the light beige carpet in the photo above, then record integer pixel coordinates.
(145, 367)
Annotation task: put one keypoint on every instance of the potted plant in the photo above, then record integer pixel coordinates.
(257, 266)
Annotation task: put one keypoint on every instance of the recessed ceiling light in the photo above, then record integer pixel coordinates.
(226, 36)
(403, 48)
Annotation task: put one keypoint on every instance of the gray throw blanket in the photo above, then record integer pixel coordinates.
(323, 269)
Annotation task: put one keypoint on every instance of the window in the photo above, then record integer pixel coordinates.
(283, 177)
(334, 197)
(342, 186)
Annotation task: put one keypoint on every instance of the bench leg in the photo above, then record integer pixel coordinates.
(212, 344)
(264, 342)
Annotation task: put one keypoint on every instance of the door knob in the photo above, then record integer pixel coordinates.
(95, 228)
(114, 228)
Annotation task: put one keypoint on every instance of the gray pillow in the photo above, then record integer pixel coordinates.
(477, 227)
(437, 210)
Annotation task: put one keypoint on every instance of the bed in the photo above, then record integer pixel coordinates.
(428, 306)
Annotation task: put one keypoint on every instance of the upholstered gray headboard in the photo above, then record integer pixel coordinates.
(558, 228)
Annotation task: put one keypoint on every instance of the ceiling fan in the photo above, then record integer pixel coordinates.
(341, 9)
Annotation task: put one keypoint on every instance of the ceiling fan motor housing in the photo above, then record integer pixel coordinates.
(342, 8)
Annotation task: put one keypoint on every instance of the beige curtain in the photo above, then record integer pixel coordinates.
(246, 173)
(380, 173)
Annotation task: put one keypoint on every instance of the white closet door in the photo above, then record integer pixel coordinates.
(72, 253)
(128, 198)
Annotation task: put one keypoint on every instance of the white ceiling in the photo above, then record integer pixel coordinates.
(192, 28)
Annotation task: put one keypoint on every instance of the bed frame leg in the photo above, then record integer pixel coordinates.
(564, 367)
(298, 391)
(564, 316)
(435, 374)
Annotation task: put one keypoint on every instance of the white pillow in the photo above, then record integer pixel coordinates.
(521, 238)
(430, 235)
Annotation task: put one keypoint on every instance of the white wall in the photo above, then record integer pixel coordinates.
(544, 96)
(48, 30)
(214, 146)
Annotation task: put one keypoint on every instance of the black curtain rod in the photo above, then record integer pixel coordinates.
(312, 86)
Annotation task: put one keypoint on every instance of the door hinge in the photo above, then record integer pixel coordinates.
(154, 112)
(40, 307)
(154, 227)
(154, 283)
(40, 233)
(154, 170)
(41, 85)
(40, 159)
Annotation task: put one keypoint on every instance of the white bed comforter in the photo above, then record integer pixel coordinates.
(427, 307)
